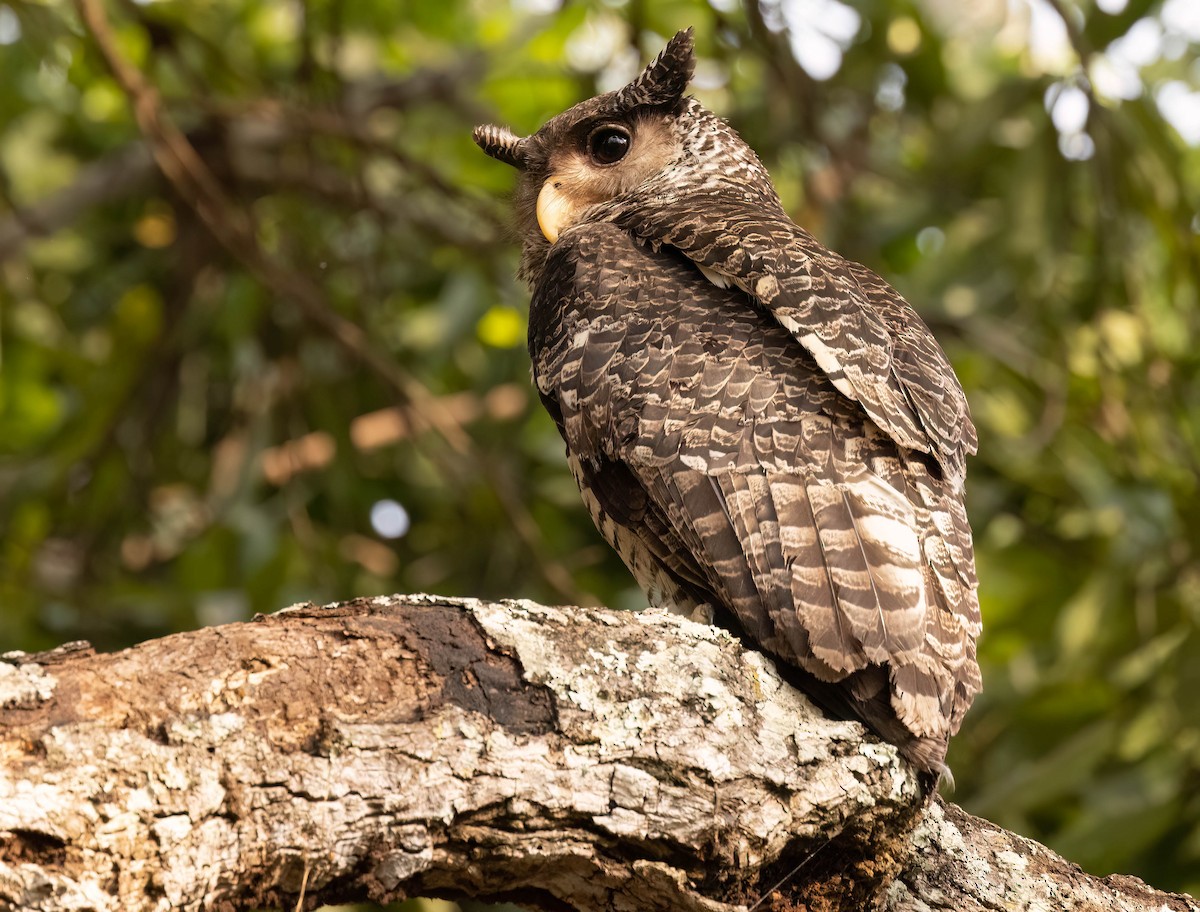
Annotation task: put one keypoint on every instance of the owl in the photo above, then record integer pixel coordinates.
(767, 433)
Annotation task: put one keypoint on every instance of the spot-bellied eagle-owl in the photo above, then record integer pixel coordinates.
(764, 431)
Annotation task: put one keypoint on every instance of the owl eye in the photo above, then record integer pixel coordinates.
(608, 145)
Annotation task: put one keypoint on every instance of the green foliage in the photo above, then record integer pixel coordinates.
(181, 430)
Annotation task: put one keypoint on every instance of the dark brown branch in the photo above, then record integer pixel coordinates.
(199, 188)
(232, 228)
(109, 179)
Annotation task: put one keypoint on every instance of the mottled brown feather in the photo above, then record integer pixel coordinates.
(760, 487)
(760, 428)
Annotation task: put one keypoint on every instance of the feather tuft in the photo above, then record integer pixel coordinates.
(666, 78)
(501, 143)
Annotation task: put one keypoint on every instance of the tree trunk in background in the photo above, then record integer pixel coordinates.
(417, 745)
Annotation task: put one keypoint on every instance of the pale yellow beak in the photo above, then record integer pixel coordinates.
(555, 211)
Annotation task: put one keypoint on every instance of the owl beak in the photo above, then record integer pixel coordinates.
(555, 210)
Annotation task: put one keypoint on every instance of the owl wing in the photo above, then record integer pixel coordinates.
(874, 347)
(714, 451)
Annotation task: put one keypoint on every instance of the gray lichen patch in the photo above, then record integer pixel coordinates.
(392, 747)
(22, 686)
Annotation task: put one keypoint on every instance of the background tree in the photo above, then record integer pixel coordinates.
(261, 340)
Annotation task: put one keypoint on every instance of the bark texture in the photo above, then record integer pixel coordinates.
(416, 745)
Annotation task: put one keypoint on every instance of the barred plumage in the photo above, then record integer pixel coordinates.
(764, 431)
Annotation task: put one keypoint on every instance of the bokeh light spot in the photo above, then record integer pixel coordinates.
(903, 36)
(501, 327)
(389, 519)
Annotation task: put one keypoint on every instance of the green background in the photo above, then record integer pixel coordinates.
(184, 365)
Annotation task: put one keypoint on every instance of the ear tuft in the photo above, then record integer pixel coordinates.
(666, 78)
(501, 143)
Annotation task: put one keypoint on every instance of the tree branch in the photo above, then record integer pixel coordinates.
(109, 179)
(414, 745)
(196, 184)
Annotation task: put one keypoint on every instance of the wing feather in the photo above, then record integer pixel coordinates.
(867, 339)
(726, 466)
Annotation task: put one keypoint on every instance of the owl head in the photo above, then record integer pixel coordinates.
(623, 149)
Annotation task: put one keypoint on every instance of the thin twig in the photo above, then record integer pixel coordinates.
(104, 181)
(186, 171)
(783, 881)
(303, 886)
(199, 188)
(1074, 33)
